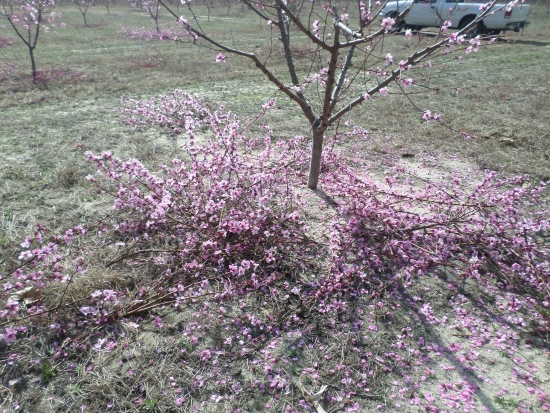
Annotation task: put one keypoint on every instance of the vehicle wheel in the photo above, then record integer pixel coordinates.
(477, 30)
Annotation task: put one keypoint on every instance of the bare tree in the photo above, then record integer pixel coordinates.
(83, 6)
(152, 7)
(209, 4)
(358, 68)
(228, 4)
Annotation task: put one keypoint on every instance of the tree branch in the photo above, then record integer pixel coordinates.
(412, 60)
(303, 28)
(306, 109)
(262, 16)
(341, 78)
(333, 64)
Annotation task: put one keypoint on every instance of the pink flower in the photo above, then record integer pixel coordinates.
(384, 91)
(88, 310)
(99, 344)
(427, 116)
(27, 243)
(407, 82)
(109, 295)
(220, 58)
(316, 26)
(26, 255)
(205, 355)
(388, 23)
(366, 96)
(237, 387)
(408, 33)
(10, 335)
(389, 59)
(401, 65)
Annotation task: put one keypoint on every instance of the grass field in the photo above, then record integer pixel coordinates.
(503, 99)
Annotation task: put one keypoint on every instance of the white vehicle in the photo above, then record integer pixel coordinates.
(432, 13)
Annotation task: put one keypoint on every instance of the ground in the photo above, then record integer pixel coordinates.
(500, 95)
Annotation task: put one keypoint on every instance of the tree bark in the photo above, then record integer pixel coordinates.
(315, 163)
(33, 64)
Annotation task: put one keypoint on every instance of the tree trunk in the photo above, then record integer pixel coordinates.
(315, 165)
(33, 64)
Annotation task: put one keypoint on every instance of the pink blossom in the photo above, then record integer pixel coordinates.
(237, 387)
(384, 91)
(427, 116)
(109, 295)
(220, 58)
(27, 242)
(408, 33)
(25, 255)
(10, 335)
(89, 310)
(99, 344)
(388, 23)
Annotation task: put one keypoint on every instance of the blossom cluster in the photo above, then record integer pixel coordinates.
(288, 293)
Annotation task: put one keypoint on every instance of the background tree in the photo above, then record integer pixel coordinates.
(346, 63)
(209, 4)
(83, 6)
(227, 4)
(27, 18)
(152, 7)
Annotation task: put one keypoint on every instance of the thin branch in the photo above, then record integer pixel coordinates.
(255, 10)
(341, 78)
(333, 64)
(303, 28)
(306, 109)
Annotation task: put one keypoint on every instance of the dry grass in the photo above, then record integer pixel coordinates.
(504, 100)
